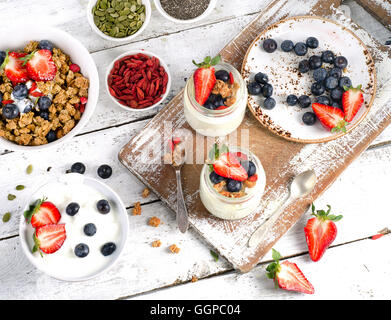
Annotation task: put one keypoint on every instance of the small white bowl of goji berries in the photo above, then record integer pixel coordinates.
(138, 80)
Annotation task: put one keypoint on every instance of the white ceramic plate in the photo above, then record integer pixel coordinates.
(281, 67)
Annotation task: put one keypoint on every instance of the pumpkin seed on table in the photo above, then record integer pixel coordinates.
(6, 217)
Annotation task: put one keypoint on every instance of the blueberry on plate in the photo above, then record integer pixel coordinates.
(291, 100)
(10, 111)
(304, 101)
(335, 72)
(215, 178)
(51, 136)
(20, 91)
(267, 90)
(328, 56)
(341, 62)
(320, 74)
(300, 48)
(330, 83)
(312, 42)
(345, 82)
(318, 88)
(222, 75)
(45, 44)
(287, 45)
(309, 118)
(108, 248)
(269, 103)
(261, 78)
(315, 62)
(44, 115)
(103, 206)
(72, 209)
(44, 103)
(82, 250)
(3, 54)
(323, 100)
(304, 66)
(254, 88)
(78, 167)
(104, 171)
(89, 229)
(336, 94)
(269, 45)
(234, 186)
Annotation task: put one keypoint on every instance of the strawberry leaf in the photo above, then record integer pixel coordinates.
(26, 59)
(33, 209)
(6, 59)
(321, 214)
(208, 62)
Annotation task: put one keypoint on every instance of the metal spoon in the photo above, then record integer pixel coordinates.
(301, 186)
(178, 159)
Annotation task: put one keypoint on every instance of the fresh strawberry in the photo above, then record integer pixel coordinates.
(287, 275)
(227, 165)
(320, 232)
(241, 155)
(83, 100)
(74, 67)
(221, 108)
(14, 68)
(40, 65)
(253, 178)
(332, 118)
(352, 100)
(41, 213)
(204, 78)
(49, 238)
(231, 78)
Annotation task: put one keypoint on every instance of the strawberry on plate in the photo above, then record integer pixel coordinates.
(352, 100)
(332, 118)
(14, 68)
(320, 232)
(287, 275)
(49, 238)
(227, 165)
(40, 65)
(41, 213)
(204, 78)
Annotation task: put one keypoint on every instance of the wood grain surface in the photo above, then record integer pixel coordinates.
(381, 9)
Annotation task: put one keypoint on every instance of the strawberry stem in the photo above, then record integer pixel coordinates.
(208, 62)
(325, 215)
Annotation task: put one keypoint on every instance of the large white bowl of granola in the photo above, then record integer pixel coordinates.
(49, 88)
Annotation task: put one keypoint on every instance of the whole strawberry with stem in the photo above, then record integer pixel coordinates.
(320, 232)
(287, 275)
(204, 78)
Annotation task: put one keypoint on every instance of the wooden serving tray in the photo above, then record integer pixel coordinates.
(282, 159)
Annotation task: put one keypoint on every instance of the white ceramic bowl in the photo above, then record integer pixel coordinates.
(90, 19)
(210, 8)
(18, 39)
(133, 52)
(26, 230)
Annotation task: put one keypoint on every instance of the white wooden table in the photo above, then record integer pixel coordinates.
(354, 267)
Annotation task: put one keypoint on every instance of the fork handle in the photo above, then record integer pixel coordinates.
(181, 215)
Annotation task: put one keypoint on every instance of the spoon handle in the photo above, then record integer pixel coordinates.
(181, 215)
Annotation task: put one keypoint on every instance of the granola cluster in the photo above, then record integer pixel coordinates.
(64, 113)
(227, 91)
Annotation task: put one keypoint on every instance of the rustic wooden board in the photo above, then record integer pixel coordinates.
(381, 9)
(281, 159)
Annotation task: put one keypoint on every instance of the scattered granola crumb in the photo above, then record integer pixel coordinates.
(137, 209)
(154, 222)
(156, 243)
(174, 249)
(194, 279)
(145, 193)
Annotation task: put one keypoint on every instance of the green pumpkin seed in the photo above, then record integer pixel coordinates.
(29, 169)
(6, 217)
(11, 197)
(19, 187)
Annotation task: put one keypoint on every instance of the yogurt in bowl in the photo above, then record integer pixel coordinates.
(95, 235)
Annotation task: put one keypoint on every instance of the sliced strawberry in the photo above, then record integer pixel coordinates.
(241, 155)
(41, 213)
(74, 67)
(221, 108)
(288, 276)
(7, 102)
(49, 238)
(231, 78)
(320, 232)
(332, 118)
(253, 178)
(352, 100)
(228, 166)
(204, 78)
(40, 65)
(14, 68)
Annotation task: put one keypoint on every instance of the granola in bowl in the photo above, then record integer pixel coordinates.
(42, 93)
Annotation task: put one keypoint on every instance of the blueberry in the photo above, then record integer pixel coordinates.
(78, 167)
(267, 90)
(215, 178)
(269, 45)
(312, 42)
(323, 100)
(315, 62)
(341, 62)
(10, 111)
(44, 103)
(218, 101)
(269, 103)
(44, 115)
(336, 104)
(103, 206)
(222, 75)
(317, 88)
(328, 56)
(82, 250)
(336, 94)
(309, 118)
(261, 78)
(20, 91)
(304, 101)
(287, 45)
(1, 97)
(301, 48)
(345, 82)
(104, 171)
(320, 74)
(72, 209)
(108, 248)
(234, 186)
(89, 229)
(3, 54)
(335, 72)
(291, 100)
(45, 44)
(251, 170)
(29, 105)
(304, 66)
(330, 83)
(254, 88)
(51, 136)
(209, 105)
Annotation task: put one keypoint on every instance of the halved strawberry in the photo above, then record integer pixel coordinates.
(352, 100)
(204, 78)
(332, 118)
(40, 65)
(41, 213)
(221, 108)
(253, 178)
(287, 275)
(14, 68)
(227, 165)
(49, 238)
(320, 232)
